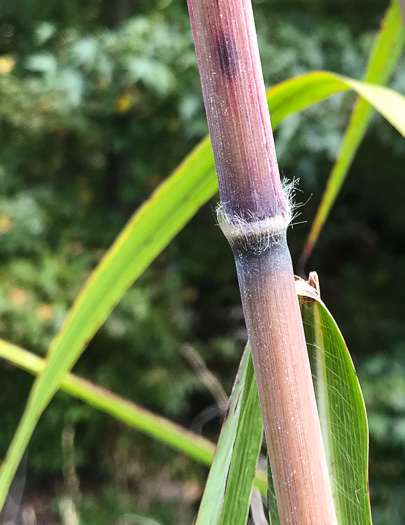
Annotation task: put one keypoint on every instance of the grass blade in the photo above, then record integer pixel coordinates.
(384, 56)
(150, 230)
(132, 414)
(341, 410)
(162, 429)
(231, 479)
(245, 455)
(144, 237)
(213, 497)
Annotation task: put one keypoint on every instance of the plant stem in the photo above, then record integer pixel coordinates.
(254, 215)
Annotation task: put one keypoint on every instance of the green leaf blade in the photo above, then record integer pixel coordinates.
(301, 92)
(341, 410)
(149, 231)
(123, 410)
(213, 497)
(384, 56)
(128, 412)
(246, 451)
(226, 497)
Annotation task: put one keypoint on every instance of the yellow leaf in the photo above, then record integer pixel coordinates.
(6, 65)
(123, 103)
(18, 296)
(45, 312)
(5, 223)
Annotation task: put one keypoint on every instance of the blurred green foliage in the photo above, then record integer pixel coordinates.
(98, 103)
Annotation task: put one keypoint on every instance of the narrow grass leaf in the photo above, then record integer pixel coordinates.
(384, 56)
(341, 410)
(245, 454)
(150, 230)
(144, 237)
(213, 497)
(132, 414)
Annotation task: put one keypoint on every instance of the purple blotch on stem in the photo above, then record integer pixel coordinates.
(228, 56)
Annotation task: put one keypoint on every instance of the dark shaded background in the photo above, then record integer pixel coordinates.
(99, 101)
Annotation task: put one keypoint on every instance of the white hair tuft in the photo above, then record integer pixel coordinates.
(256, 234)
